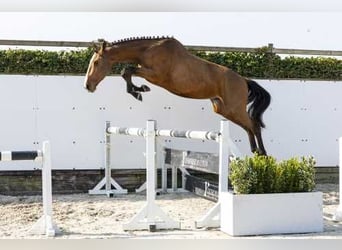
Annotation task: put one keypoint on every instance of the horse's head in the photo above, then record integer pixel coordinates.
(99, 67)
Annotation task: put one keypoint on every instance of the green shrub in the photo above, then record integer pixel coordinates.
(296, 175)
(260, 64)
(263, 174)
(265, 65)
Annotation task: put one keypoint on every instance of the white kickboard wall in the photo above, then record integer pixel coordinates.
(304, 118)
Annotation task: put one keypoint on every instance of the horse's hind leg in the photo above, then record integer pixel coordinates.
(253, 131)
(262, 149)
(241, 118)
(132, 89)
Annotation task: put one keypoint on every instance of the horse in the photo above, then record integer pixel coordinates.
(165, 62)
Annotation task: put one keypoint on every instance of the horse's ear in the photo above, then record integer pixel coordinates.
(103, 46)
(96, 48)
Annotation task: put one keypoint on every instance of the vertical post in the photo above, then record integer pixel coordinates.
(45, 224)
(174, 177)
(224, 157)
(47, 189)
(108, 172)
(105, 185)
(338, 214)
(164, 170)
(183, 170)
(150, 161)
(270, 48)
(160, 158)
(340, 177)
(151, 216)
(212, 218)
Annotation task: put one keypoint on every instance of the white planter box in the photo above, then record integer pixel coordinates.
(282, 213)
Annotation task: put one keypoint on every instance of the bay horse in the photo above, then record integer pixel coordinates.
(165, 62)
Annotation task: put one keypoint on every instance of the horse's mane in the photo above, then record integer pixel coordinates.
(132, 39)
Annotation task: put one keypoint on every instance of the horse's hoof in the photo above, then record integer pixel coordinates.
(138, 96)
(145, 88)
(260, 152)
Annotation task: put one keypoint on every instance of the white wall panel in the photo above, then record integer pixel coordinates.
(305, 118)
(18, 122)
(168, 110)
(72, 120)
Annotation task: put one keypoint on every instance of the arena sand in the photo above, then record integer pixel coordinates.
(83, 216)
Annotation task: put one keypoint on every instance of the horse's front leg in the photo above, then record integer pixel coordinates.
(132, 89)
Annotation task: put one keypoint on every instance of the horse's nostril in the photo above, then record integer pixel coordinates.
(90, 90)
(87, 87)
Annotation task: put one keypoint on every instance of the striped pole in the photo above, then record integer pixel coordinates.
(19, 155)
(126, 131)
(190, 134)
(201, 135)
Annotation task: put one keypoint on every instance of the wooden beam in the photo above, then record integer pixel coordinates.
(271, 49)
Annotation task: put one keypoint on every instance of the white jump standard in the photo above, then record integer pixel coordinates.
(212, 218)
(107, 182)
(338, 214)
(45, 224)
(151, 217)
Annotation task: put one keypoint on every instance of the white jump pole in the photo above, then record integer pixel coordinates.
(45, 224)
(338, 213)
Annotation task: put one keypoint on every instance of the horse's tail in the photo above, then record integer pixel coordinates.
(259, 100)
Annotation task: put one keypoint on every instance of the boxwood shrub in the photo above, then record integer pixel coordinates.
(263, 174)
